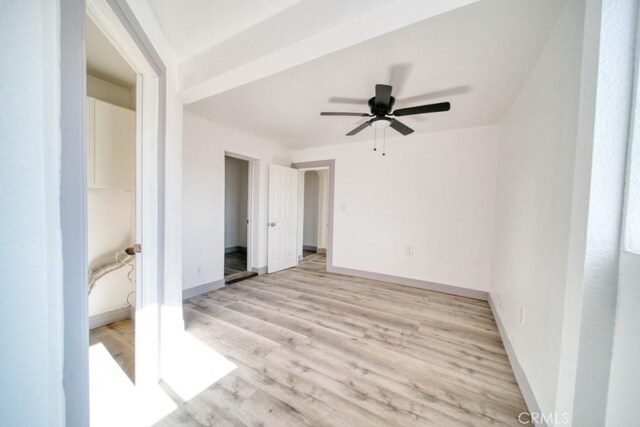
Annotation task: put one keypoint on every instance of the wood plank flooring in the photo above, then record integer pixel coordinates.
(319, 349)
(118, 339)
(234, 262)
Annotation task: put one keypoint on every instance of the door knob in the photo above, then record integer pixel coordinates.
(272, 224)
(135, 249)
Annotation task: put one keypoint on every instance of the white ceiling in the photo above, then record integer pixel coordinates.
(104, 61)
(477, 57)
(192, 26)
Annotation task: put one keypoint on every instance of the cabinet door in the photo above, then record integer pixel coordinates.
(91, 144)
(115, 147)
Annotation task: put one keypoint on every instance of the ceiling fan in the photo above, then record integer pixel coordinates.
(381, 105)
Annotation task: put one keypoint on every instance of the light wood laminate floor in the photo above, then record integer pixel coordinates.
(314, 349)
(235, 262)
(119, 340)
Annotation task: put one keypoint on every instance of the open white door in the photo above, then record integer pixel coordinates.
(283, 218)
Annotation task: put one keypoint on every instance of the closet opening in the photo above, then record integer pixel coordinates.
(237, 214)
(111, 205)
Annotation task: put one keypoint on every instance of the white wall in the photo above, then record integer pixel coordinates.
(235, 202)
(433, 192)
(31, 311)
(558, 209)
(311, 205)
(205, 144)
(612, 75)
(624, 385)
(533, 206)
(112, 93)
(539, 238)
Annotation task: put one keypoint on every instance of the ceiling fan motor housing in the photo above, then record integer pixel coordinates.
(381, 110)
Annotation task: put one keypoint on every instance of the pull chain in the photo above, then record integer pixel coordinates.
(375, 138)
(384, 141)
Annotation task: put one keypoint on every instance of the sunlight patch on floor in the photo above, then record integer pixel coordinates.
(193, 367)
(115, 401)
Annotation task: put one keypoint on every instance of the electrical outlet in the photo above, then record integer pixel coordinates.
(409, 250)
(198, 269)
(522, 316)
(343, 207)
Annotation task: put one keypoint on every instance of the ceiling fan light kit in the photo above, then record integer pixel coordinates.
(380, 106)
(381, 123)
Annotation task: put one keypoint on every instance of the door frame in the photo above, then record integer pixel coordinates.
(331, 166)
(252, 166)
(118, 22)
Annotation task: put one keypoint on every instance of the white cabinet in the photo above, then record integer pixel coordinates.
(111, 135)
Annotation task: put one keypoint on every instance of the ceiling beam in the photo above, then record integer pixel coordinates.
(306, 31)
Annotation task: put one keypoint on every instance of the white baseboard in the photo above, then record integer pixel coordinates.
(260, 270)
(202, 289)
(110, 316)
(521, 377)
(415, 283)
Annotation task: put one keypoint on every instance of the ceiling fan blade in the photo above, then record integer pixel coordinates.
(422, 109)
(359, 128)
(344, 114)
(383, 94)
(400, 127)
(345, 100)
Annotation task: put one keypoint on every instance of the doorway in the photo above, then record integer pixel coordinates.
(316, 191)
(117, 22)
(111, 203)
(313, 226)
(237, 204)
(313, 213)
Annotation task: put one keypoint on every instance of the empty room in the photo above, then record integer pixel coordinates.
(320, 213)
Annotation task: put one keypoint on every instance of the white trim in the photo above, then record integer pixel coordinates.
(73, 210)
(202, 289)
(518, 371)
(414, 283)
(110, 316)
(253, 186)
(260, 270)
